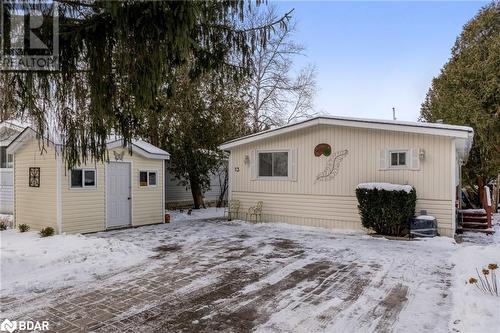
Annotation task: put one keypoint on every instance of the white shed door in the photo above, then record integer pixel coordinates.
(118, 195)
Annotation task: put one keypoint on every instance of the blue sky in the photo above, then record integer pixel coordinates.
(371, 56)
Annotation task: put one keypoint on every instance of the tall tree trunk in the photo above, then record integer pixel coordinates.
(153, 130)
(223, 186)
(196, 192)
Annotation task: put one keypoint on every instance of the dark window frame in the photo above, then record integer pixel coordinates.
(147, 181)
(83, 178)
(401, 159)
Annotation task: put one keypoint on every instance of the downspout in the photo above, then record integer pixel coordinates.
(163, 191)
(453, 188)
(14, 222)
(59, 191)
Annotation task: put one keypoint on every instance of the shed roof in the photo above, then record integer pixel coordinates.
(138, 146)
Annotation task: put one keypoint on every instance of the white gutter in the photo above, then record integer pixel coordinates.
(397, 126)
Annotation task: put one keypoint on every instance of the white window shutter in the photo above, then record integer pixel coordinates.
(253, 165)
(414, 158)
(293, 165)
(383, 159)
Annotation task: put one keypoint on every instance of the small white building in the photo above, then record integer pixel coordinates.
(306, 173)
(126, 191)
(177, 194)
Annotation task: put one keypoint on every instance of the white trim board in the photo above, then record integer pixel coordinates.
(462, 132)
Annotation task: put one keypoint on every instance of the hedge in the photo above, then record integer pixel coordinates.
(386, 212)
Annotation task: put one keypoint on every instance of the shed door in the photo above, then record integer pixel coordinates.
(118, 195)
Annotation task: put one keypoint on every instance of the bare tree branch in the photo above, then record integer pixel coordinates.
(277, 96)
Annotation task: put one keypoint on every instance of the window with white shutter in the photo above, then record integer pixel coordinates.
(391, 159)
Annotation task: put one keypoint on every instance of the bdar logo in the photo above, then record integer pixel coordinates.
(8, 326)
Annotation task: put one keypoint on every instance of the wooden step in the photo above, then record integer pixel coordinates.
(472, 211)
(474, 215)
(475, 219)
(474, 225)
(485, 231)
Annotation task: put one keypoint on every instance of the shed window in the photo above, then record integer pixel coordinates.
(147, 178)
(273, 164)
(398, 158)
(82, 178)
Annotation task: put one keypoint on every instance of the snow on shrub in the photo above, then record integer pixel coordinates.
(386, 208)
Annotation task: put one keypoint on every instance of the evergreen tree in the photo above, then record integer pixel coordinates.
(114, 57)
(191, 124)
(467, 92)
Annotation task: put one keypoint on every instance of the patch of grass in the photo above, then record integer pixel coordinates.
(486, 280)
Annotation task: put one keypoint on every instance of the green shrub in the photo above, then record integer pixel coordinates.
(386, 212)
(3, 225)
(47, 231)
(23, 227)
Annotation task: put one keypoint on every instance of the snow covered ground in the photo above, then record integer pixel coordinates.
(200, 275)
(196, 214)
(30, 263)
(475, 311)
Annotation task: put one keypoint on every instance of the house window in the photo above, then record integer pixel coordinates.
(273, 164)
(398, 158)
(83, 178)
(6, 160)
(147, 178)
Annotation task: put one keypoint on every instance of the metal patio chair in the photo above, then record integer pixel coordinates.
(232, 209)
(255, 211)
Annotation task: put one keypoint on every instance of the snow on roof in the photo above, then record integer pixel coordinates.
(386, 186)
(149, 147)
(141, 147)
(14, 123)
(463, 132)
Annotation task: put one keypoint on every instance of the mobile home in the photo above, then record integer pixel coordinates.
(306, 173)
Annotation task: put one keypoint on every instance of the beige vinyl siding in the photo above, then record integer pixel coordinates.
(146, 201)
(333, 203)
(35, 206)
(83, 209)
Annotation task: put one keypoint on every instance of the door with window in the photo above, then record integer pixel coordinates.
(118, 191)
